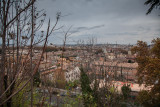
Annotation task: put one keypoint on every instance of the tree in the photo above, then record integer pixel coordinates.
(126, 90)
(148, 59)
(86, 89)
(18, 29)
(10, 28)
(37, 80)
(153, 4)
(99, 51)
(144, 98)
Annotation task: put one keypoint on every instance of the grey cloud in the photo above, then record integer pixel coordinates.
(89, 0)
(122, 33)
(90, 28)
(158, 30)
(95, 27)
(105, 18)
(141, 28)
(79, 29)
(82, 28)
(74, 31)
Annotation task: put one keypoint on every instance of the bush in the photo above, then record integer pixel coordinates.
(126, 90)
(50, 49)
(23, 98)
(60, 84)
(146, 99)
(37, 79)
(71, 84)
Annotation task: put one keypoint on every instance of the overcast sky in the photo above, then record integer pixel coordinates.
(110, 21)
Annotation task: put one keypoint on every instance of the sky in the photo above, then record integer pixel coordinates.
(109, 21)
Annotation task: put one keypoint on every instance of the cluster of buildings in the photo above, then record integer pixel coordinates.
(105, 62)
(116, 63)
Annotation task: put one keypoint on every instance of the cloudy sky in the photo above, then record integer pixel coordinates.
(110, 21)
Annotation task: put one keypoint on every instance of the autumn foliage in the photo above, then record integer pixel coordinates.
(148, 59)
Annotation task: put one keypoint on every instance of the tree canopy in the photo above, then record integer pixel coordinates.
(153, 4)
(148, 59)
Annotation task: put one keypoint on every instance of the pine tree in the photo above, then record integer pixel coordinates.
(86, 89)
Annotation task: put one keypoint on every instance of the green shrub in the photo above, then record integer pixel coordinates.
(126, 90)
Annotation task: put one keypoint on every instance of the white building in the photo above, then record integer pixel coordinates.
(73, 74)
